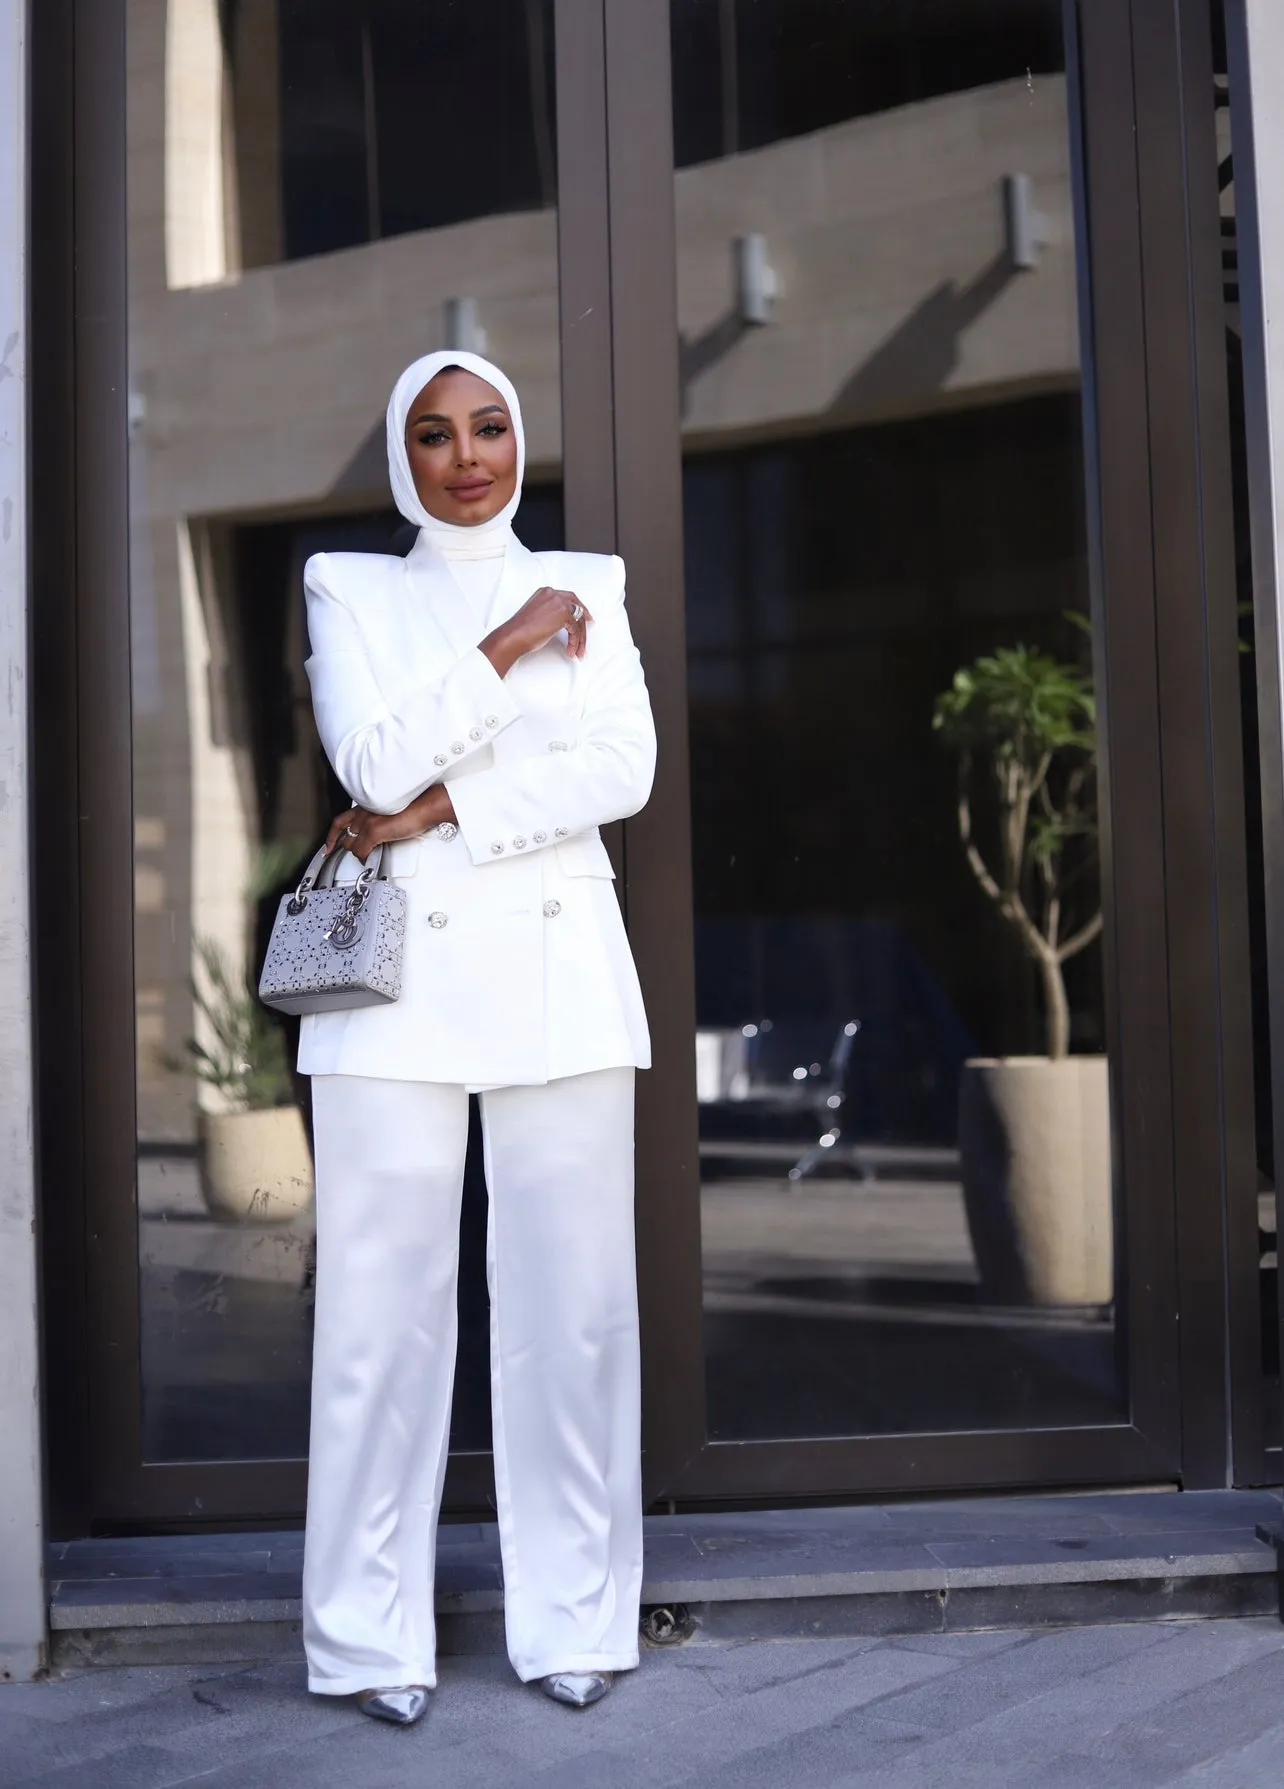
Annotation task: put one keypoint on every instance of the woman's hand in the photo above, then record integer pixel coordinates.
(538, 621)
(360, 831)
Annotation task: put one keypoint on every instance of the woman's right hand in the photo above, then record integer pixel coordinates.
(539, 620)
(359, 830)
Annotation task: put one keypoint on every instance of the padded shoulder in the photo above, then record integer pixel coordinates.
(597, 577)
(347, 574)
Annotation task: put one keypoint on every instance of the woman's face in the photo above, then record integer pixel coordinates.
(462, 448)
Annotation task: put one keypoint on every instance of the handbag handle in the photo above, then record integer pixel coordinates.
(321, 871)
(375, 869)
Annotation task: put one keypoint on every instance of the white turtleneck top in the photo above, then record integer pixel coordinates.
(475, 562)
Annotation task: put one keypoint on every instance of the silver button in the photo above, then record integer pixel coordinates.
(497, 848)
(436, 921)
(441, 759)
(492, 720)
(552, 909)
(539, 837)
(446, 831)
(458, 748)
(519, 844)
(559, 832)
(557, 745)
(474, 733)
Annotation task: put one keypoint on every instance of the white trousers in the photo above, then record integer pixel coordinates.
(564, 1372)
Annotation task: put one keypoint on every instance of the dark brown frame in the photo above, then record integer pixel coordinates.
(1213, 1095)
(84, 830)
(683, 1463)
(1255, 1461)
(1172, 855)
(1158, 490)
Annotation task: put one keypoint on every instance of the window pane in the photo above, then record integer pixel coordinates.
(900, 1061)
(263, 136)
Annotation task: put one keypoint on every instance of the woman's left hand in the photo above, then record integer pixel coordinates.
(360, 831)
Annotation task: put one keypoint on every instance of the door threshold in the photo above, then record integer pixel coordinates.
(871, 1569)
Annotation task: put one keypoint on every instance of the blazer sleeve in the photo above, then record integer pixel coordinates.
(384, 757)
(606, 776)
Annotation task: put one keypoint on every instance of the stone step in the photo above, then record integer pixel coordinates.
(863, 1569)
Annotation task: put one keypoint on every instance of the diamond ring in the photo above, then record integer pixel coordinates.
(349, 832)
(577, 612)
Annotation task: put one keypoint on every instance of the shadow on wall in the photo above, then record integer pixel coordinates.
(915, 362)
(366, 473)
(919, 356)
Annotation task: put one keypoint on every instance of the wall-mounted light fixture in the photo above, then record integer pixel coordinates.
(756, 284)
(464, 327)
(1025, 229)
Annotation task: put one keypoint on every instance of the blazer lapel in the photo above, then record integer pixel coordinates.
(436, 591)
(437, 597)
(521, 576)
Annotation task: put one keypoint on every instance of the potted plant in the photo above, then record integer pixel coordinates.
(1034, 1131)
(255, 1164)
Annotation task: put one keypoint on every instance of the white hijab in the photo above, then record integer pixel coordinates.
(404, 393)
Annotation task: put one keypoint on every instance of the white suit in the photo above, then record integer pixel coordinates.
(517, 983)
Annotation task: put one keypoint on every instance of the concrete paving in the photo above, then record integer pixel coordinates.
(1125, 1707)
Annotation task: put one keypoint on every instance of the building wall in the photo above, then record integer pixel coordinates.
(22, 1613)
(258, 384)
(263, 390)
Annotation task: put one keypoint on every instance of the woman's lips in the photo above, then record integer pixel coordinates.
(470, 489)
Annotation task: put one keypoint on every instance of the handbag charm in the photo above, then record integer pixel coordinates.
(336, 946)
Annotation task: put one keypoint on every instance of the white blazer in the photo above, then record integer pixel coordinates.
(517, 969)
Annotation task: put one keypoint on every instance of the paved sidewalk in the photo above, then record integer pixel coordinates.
(1198, 1703)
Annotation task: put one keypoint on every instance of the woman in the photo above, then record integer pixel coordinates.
(485, 710)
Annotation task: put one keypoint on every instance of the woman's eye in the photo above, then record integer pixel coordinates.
(433, 438)
(492, 428)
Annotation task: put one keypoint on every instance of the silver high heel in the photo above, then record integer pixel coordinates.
(403, 1705)
(578, 1689)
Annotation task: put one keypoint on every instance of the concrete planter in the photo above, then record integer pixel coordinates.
(256, 1166)
(1034, 1137)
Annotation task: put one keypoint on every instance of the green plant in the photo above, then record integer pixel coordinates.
(245, 1058)
(1032, 720)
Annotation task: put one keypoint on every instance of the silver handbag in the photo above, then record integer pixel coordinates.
(334, 947)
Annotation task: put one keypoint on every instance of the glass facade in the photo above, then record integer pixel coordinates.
(904, 1114)
(301, 226)
(870, 354)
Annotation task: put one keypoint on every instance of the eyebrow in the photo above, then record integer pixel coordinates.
(435, 416)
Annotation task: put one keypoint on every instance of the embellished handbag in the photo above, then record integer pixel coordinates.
(336, 946)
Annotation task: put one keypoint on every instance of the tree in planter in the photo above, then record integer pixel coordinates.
(1032, 720)
(256, 1164)
(245, 1058)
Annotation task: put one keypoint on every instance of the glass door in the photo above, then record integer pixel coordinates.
(829, 317)
(899, 1125)
(299, 225)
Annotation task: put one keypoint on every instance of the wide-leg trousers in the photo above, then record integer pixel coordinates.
(564, 1372)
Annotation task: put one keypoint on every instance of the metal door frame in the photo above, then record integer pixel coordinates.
(1257, 209)
(1159, 509)
(84, 763)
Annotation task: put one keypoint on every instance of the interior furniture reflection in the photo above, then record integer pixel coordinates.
(822, 1041)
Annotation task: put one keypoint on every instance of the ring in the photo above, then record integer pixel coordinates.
(350, 832)
(577, 612)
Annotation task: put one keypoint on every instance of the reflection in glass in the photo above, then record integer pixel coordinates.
(900, 1063)
(263, 137)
